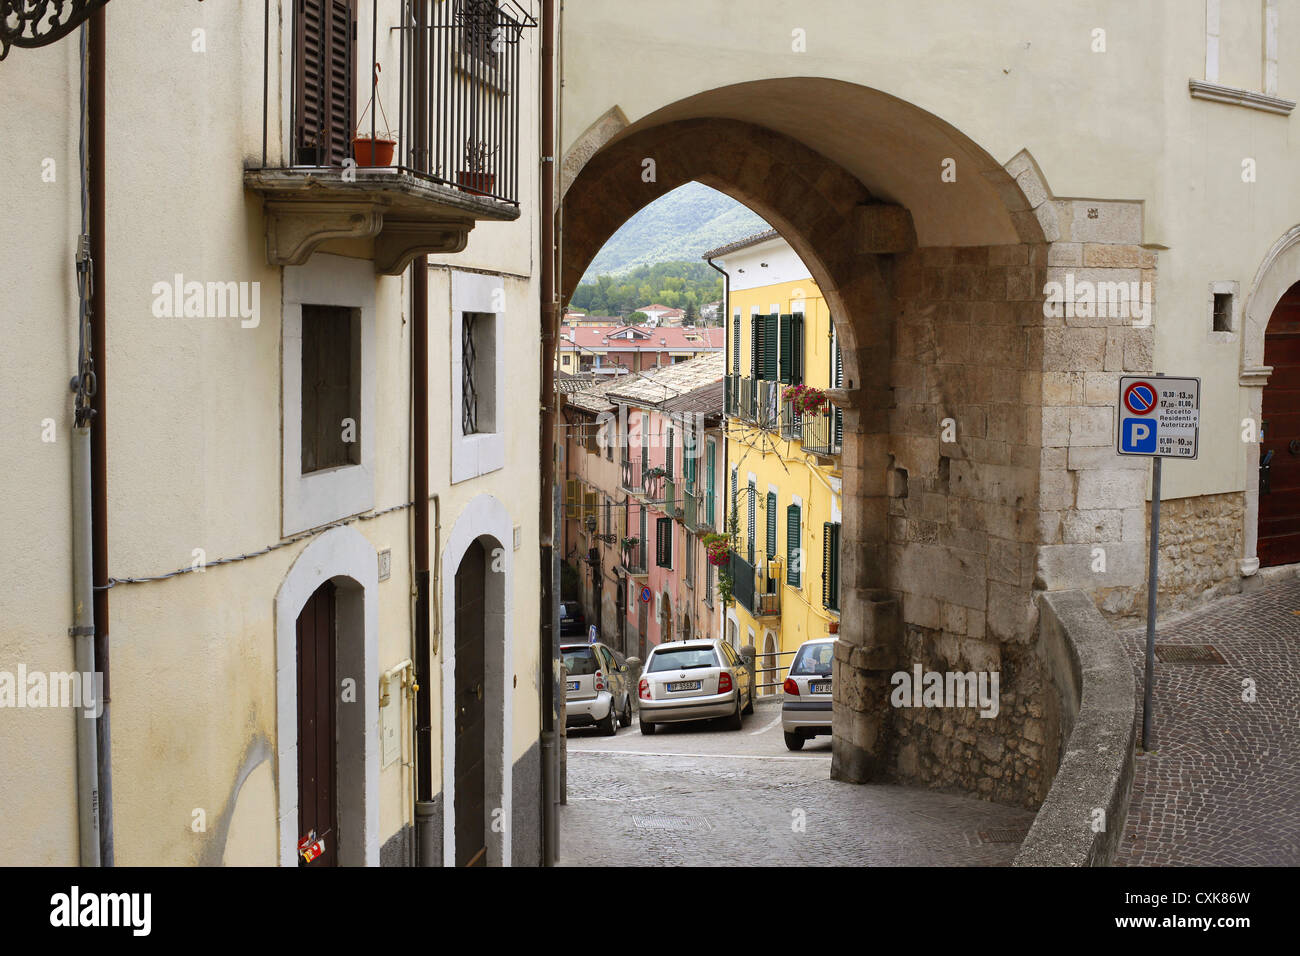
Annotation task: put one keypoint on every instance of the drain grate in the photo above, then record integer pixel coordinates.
(1003, 835)
(1188, 654)
(660, 822)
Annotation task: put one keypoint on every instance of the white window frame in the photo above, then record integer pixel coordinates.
(320, 497)
(482, 452)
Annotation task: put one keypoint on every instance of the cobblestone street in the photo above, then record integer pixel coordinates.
(696, 795)
(1223, 785)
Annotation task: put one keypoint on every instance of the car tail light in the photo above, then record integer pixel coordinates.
(643, 689)
(600, 681)
(724, 682)
(791, 687)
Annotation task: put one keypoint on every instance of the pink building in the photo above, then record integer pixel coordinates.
(614, 349)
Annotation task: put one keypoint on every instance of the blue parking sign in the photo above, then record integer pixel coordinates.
(1138, 436)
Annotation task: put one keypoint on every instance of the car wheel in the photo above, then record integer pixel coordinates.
(609, 726)
(793, 741)
(737, 720)
(647, 729)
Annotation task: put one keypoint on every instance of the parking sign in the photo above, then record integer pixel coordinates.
(1159, 417)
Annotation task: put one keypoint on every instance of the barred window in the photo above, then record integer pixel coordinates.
(478, 373)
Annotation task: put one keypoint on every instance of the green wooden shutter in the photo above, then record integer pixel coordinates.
(796, 349)
(749, 526)
(668, 457)
(708, 485)
(755, 346)
(664, 542)
(735, 345)
(787, 353)
(793, 560)
(831, 566)
(771, 525)
(770, 345)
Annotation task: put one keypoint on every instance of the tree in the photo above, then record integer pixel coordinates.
(636, 318)
(691, 314)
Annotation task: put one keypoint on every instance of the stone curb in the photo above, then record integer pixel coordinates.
(1093, 675)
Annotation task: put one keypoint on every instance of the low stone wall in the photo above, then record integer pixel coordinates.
(1082, 820)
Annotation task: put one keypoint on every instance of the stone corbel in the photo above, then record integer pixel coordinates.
(401, 240)
(845, 398)
(295, 228)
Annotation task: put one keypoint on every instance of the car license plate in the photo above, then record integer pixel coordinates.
(819, 687)
(573, 685)
(684, 685)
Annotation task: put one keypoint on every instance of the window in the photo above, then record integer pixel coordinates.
(749, 527)
(690, 561)
(709, 572)
(791, 352)
(831, 566)
(771, 524)
(324, 81)
(479, 29)
(668, 658)
(478, 373)
(564, 360)
(735, 343)
(793, 555)
(664, 542)
(331, 387)
(668, 457)
(708, 485)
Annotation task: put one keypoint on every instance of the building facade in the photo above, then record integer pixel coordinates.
(784, 464)
(617, 349)
(259, 400)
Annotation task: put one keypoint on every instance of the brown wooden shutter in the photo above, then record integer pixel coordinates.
(325, 80)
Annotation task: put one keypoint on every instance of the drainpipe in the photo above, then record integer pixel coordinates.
(97, 87)
(428, 821)
(82, 630)
(548, 649)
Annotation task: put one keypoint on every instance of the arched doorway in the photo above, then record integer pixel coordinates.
(471, 709)
(1279, 472)
(771, 667)
(665, 619)
(318, 698)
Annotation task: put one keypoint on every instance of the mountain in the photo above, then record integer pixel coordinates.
(681, 225)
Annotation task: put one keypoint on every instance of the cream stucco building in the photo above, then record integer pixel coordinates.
(259, 473)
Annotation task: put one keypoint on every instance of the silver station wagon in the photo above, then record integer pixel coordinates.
(695, 680)
(806, 710)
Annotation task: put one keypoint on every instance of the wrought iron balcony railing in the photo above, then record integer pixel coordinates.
(821, 433)
(633, 558)
(448, 69)
(632, 476)
(754, 400)
(672, 502)
(753, 590)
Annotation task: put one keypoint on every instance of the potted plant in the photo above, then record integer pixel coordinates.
(805, 399)
(376, 150)
(655, 472)
(631, 542)
(475, 178)
(718, 547)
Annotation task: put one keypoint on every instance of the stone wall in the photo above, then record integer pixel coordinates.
(1201, 541)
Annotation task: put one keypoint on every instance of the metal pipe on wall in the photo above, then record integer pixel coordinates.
(98, 84)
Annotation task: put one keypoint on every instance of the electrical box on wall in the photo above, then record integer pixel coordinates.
(385, 564)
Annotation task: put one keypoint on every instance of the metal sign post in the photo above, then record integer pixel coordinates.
(1159, 418)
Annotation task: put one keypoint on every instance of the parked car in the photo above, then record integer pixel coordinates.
(694, 680)
(598, 695)
(573, 622)
(806, 710)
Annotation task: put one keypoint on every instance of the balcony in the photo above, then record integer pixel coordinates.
(822, 433)
(750, 589)
(673, 504)
(632, 476)
(452, 70)
(754, 400)
(633, 558)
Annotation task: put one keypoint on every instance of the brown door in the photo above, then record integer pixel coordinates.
(317, 724)
(1279, 491)
(471, 762)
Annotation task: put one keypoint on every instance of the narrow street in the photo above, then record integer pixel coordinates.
(698, 795)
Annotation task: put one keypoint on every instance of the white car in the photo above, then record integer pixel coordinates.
(806, 710)
(695, 680)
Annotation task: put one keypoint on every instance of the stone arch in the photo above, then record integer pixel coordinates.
(897, 259)
(486, 520)
(1279, 270)
(342, 555)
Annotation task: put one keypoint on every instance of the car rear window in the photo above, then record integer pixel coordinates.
(813, 659)
(579, 660)
(682, 658)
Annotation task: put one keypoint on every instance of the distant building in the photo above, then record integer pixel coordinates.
(615, 349)
(661, 315)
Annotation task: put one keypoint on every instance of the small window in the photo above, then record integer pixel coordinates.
(478, 373)
(1222, 312)
(331, 387)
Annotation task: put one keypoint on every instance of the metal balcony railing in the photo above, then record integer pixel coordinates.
(631, 475)
(821, 433)
(791, 422)
(754, 400)
(672, 503)
(438, 79)
(633, 558)
(750, 588)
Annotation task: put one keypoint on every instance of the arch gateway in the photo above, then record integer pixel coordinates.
(937, 288)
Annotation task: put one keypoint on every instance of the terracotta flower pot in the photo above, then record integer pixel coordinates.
(373, 152)
(481, 184)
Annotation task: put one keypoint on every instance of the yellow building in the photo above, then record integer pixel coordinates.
(783, 463)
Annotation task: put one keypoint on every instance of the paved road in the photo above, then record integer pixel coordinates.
(697, 795)
(1223, 785)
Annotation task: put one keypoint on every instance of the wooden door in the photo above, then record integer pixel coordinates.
(471, 709)
(1279, 492)
(318, 723)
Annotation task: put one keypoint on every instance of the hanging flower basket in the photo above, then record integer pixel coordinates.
(376, 150)
(630, 542)
(718, 548)
(806, 399)
(655, 472)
